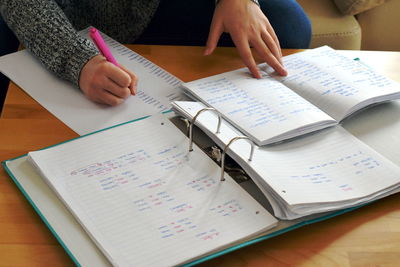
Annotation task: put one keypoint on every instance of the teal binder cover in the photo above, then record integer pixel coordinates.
(271, 233)
(32, 202)
(36, 208)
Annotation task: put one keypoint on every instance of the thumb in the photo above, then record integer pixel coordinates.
(216, 30)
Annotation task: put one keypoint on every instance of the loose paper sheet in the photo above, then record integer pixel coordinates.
(156, 89)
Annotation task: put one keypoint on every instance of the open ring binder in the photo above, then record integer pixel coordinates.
(226, 148)
(193, 121)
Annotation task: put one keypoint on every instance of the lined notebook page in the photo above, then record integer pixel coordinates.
(260, 108)
(328, 166)
(144, 199)
(334, 82)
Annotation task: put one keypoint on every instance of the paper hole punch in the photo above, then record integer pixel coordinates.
(194, 120)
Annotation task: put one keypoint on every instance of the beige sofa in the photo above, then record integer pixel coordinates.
(374, 26)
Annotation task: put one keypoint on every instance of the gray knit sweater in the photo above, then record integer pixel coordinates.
(48, 28)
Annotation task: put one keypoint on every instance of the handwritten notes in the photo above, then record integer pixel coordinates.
(136, 188)
(325, 171)
(333, 167)
(335, 83)
(263, 109)
(174, 228)
(322, 87)
(228, 208)
(202, 183)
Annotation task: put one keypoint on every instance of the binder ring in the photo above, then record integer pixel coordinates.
(226, 148)
(194, 119)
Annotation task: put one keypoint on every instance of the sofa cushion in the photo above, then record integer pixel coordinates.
(380, 27)
(352, 7)
(330, 27)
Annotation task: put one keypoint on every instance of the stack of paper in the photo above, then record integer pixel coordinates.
(325, 171)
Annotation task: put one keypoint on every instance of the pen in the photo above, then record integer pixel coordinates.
(101, 45)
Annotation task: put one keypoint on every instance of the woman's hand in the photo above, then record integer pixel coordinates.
(105, 83)
(248, 26)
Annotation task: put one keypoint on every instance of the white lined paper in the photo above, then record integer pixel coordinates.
(325, 171)
(137, 195)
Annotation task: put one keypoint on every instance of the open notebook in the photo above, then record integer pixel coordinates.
(136, 189)
(323, 87)
(324, 171)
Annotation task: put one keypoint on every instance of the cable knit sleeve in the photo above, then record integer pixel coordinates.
(42, 27)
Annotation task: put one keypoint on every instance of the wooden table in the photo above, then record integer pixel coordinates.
(368, 236)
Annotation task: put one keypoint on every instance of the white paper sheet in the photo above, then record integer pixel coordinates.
(145, 199)
(325, 171)
(156, 89)
(335, 83)
(264, 109)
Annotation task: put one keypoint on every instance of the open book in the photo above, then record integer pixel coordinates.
(137, 190)
(322, 88)
(324, 171)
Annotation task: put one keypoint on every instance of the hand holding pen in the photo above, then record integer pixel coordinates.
(102, 79)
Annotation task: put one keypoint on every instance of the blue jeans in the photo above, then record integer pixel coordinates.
(9, 42)
(187, 22)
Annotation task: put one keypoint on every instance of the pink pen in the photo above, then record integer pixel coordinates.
(101, 45)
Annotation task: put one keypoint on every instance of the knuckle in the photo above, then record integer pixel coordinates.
(103, 67)
(94, 94)
(113, 101)
(253, 30)
(134, 80)
(126, 81)
(267, 56)
(125, 93)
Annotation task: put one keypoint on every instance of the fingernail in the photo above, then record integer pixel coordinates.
(206, 52)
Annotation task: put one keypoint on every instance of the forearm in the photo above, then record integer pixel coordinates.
(44, 29)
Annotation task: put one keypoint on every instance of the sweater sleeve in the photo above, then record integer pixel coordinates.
(42, 27)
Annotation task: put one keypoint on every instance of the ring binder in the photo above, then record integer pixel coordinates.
(194, 119)
(187, 124)
(226, 148)
(188, 206)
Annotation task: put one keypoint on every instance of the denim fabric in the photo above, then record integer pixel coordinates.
(187, 22)
(289, 21)
(9, 42)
